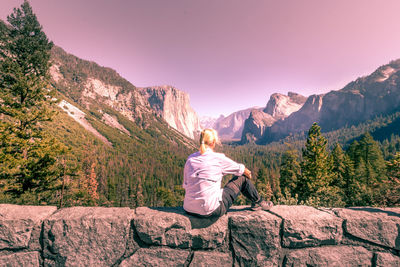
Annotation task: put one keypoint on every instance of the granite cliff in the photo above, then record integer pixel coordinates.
(284, 236)
(278, 108)
(231, 127)
(90, 86)
(363, 99)
(174, 107)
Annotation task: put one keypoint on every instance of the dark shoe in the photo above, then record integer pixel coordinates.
(262, 205)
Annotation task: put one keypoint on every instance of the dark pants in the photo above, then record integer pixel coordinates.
(231, 191)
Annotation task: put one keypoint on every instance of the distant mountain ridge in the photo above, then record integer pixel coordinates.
(208, 121)
(279, 107)
(363, 99)
(360, 100)
(252, 121)
(231, 126)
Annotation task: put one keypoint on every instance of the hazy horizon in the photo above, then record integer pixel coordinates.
(227, 55)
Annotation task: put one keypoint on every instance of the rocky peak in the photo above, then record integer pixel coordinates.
(174, 107)
(255, 125)
(384, 72)
(208, 121)
(231, 127)
(279, 107)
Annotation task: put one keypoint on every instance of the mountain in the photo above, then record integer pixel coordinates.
(231, 127)
(253, 121)
(174, 107)
(208, 122)
(367, 97)
(117, 133)
(279, 107)
(92, 85)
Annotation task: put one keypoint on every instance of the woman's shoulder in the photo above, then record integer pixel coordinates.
(195, 154)
(219, 155)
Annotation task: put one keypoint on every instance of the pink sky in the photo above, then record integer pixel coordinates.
(227, 54)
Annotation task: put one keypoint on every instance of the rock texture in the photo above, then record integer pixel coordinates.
(205, 258)
(278, 108)
(20, 226)
(255, 238)
(255, 125)
(231, 127)
(304, 226)
(284, 236)
(340, 256)
(174, 107)
(160, 256)
(281, 106)
(20, 259)
(360, 100)
(379, 226)
(208, 121)
(88, 236)
(386, 259)
(80, 117)
(174, 228)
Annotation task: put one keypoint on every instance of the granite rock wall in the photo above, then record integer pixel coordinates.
(284, 236)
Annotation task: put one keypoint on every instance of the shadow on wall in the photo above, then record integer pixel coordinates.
(376, 210)
(195, 221)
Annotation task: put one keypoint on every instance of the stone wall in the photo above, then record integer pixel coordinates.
(285, 236)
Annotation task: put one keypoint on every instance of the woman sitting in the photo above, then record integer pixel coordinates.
(202, 181)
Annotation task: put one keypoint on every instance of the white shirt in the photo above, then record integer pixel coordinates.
(202, 180)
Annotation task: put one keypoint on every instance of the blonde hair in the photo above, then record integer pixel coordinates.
(207, 137)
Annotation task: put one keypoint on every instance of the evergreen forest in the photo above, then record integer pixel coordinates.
(47, 158)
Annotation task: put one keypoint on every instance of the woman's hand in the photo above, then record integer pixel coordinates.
(247, 173)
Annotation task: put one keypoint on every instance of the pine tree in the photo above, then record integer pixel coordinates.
(289, 172)
(28, 157)
(316, 167)
(338, 166)
(342, 170)
(261, 177)
(265, 190)
(393, 185)
(262, 184)
(372, 155)
(369, 171)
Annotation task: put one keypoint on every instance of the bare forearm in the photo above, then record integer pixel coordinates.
(247, 173)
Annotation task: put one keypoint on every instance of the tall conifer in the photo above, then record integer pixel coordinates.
(316, 167)
(369, 171)
(393, 193)
(28, 163)
(289, 172)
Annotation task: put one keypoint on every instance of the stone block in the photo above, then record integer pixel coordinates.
(20, 225)
(174, 228)
(305, 226)
(210, 258)
(86, 236)
(386, 259)
(255, 238)
(21, 259)
(333, 256)
(377, 225)
(157, 256)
